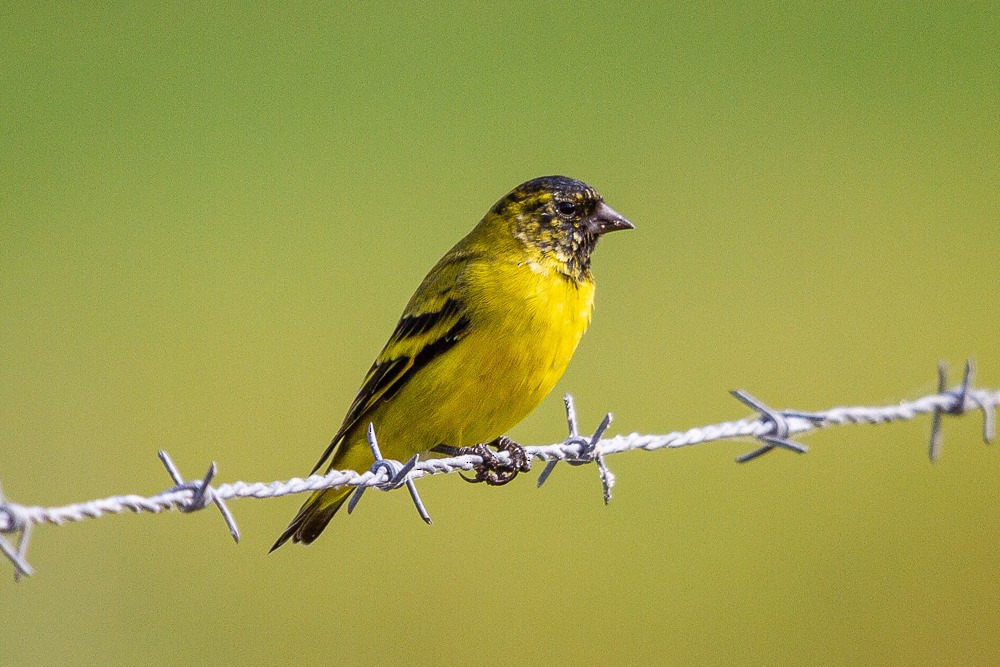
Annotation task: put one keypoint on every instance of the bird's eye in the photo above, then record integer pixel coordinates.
(567, 209)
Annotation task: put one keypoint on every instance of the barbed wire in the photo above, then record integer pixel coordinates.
(772, 429)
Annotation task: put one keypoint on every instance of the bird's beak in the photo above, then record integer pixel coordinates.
(606, 219)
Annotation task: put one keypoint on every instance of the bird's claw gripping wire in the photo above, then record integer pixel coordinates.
(962, 394)
(397, 474)
(203, 493)
(778, 437)
(494, 470)
(589, 451)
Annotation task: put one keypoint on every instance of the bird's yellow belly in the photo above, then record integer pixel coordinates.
(491, 379)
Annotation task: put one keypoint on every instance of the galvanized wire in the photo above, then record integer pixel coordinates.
(772, 429)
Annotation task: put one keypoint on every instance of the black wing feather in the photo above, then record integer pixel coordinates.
(388, 375)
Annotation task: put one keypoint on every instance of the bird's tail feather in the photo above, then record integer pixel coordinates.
(313, 516)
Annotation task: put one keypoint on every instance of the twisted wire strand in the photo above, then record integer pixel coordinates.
(771, 427)
(743, 428)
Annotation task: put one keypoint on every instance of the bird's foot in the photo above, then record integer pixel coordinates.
(493, 470)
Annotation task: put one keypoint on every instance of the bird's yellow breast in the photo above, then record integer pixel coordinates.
(526, 320)
(535, 317)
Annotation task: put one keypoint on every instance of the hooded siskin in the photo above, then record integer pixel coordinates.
(485, 337)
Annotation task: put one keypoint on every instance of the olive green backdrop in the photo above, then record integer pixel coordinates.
(211, 219)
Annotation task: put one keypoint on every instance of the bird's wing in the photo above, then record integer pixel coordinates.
(434, 320)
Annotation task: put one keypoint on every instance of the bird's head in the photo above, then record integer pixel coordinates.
(558, 219)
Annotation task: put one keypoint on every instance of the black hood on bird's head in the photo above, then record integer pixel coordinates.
(561, 218)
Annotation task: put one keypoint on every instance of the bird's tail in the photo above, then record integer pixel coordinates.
(313, 516)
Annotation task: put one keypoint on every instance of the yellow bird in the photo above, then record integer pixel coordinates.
(481, 342)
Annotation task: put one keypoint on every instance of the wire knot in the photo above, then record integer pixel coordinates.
(203, 493)
(965, 399)
(395, 471)
(780, 430)
(586, 449)
(589, 452)
(201, 498)
(398, 474)
(14, 519)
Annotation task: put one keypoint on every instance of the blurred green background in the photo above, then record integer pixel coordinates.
(212, 217)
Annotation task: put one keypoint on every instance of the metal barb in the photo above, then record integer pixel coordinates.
(963, 390)
(22, 552)
(987, 407)
(16, 524)
(573, 434)
(21, 567)
(607, 477)
(411, 486)
(397, 473)
(962, 394)
(588, 449)
(779, 436)
(587, 453)
(199, 501)
(203, 493)
(934, 449)
(989, 418)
